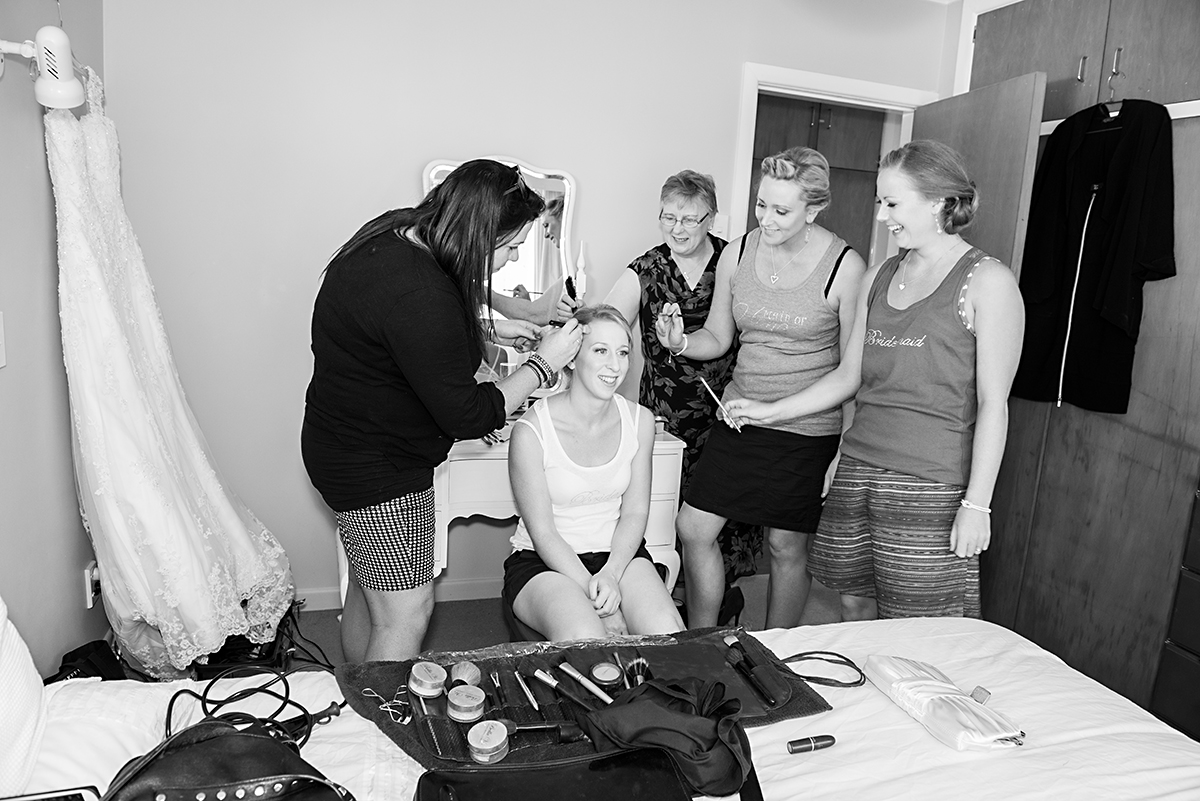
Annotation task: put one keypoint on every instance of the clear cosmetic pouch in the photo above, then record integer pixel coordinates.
(932, 699)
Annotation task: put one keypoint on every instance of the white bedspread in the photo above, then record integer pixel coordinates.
(1083, 741)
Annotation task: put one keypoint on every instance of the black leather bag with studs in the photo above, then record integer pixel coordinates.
(216, 760)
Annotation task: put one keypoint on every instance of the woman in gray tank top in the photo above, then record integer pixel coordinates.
(935, 348)
(788, 290)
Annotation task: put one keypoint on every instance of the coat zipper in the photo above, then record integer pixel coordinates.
(1062, 370)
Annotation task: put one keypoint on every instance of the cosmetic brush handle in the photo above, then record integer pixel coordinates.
(585, 682)
(743, 667)
(556, 685)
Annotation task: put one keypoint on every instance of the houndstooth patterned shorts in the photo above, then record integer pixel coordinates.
(390, 545)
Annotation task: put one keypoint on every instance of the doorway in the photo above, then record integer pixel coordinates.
(849, 137)
(896, 103)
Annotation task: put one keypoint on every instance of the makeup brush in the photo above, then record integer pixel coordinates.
(567, 731)
(638, 669)
(739, 663)
(465, 673)
(621, 667)
(545, 678)
(585, 682)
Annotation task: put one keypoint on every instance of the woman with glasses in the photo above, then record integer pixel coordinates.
(396, 340)
(788, 291)
(682, 271)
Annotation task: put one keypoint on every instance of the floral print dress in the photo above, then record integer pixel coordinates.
(670, 385)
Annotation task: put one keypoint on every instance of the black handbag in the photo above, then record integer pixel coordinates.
(215, 759)
(642, 774)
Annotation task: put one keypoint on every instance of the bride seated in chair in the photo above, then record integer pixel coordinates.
(580, 463)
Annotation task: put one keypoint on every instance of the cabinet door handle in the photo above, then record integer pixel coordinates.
(1082, 67)
(1116, 70)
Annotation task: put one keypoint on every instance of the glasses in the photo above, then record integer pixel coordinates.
(690, 222)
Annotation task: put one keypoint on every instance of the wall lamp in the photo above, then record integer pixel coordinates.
(55, 85)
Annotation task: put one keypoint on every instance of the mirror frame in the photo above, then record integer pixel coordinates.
(569, 194)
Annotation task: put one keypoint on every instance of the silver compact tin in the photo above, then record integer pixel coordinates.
(488, 741)
(465, 703)
(427, 680)
(606, 675)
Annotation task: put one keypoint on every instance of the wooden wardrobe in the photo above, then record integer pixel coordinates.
(1092, 510)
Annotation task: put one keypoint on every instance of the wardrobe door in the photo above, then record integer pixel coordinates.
(1159, 40)
(1107, 541)
(995, 128)
(1111, 511)
(1062, 38)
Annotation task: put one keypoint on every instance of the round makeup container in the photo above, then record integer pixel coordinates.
(606, 675)
(465, 703)
(427, 680)
(488, 741)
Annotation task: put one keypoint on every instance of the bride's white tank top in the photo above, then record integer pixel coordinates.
(586, 500)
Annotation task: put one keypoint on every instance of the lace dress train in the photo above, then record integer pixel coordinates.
(183, 563)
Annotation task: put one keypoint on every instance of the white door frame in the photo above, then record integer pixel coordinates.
(897, 101)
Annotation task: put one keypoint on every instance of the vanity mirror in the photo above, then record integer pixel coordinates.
(544, 257)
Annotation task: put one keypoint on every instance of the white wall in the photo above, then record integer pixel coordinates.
(256, 137)
(43, 546)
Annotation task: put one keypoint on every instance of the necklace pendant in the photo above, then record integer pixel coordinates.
(775, 278)
(901, 286)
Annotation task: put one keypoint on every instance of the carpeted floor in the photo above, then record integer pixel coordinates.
(464, 625)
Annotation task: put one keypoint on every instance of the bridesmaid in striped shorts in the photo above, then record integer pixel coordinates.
(939, 337)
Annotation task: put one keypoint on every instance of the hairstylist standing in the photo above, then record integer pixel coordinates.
(397, 338)
(789, 289)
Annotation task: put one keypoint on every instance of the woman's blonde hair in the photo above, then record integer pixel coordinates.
(805, 167)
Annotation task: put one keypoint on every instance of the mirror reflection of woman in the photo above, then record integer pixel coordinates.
(788, 290)
(580, 466)
(682, 271)
(396, 340)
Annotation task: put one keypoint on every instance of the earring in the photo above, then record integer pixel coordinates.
(571, 364)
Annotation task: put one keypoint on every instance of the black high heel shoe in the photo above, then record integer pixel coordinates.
(732, 604)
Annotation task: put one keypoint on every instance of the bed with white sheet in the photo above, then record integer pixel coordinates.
(1082, 740)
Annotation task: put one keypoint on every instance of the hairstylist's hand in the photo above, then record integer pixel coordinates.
(508, 332)
(566, 307)
(605, 593)
(971, 533)
(669, 327)
(559, 345)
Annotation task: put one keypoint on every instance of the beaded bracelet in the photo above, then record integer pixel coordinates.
(968, 505)
(545, 374)
(681, 349)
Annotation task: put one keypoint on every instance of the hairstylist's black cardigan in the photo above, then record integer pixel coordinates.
(394, 376)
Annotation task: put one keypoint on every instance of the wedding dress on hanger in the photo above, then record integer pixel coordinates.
(183, 563)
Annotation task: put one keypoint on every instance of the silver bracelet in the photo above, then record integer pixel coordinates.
(681, 349)
(968, 505)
